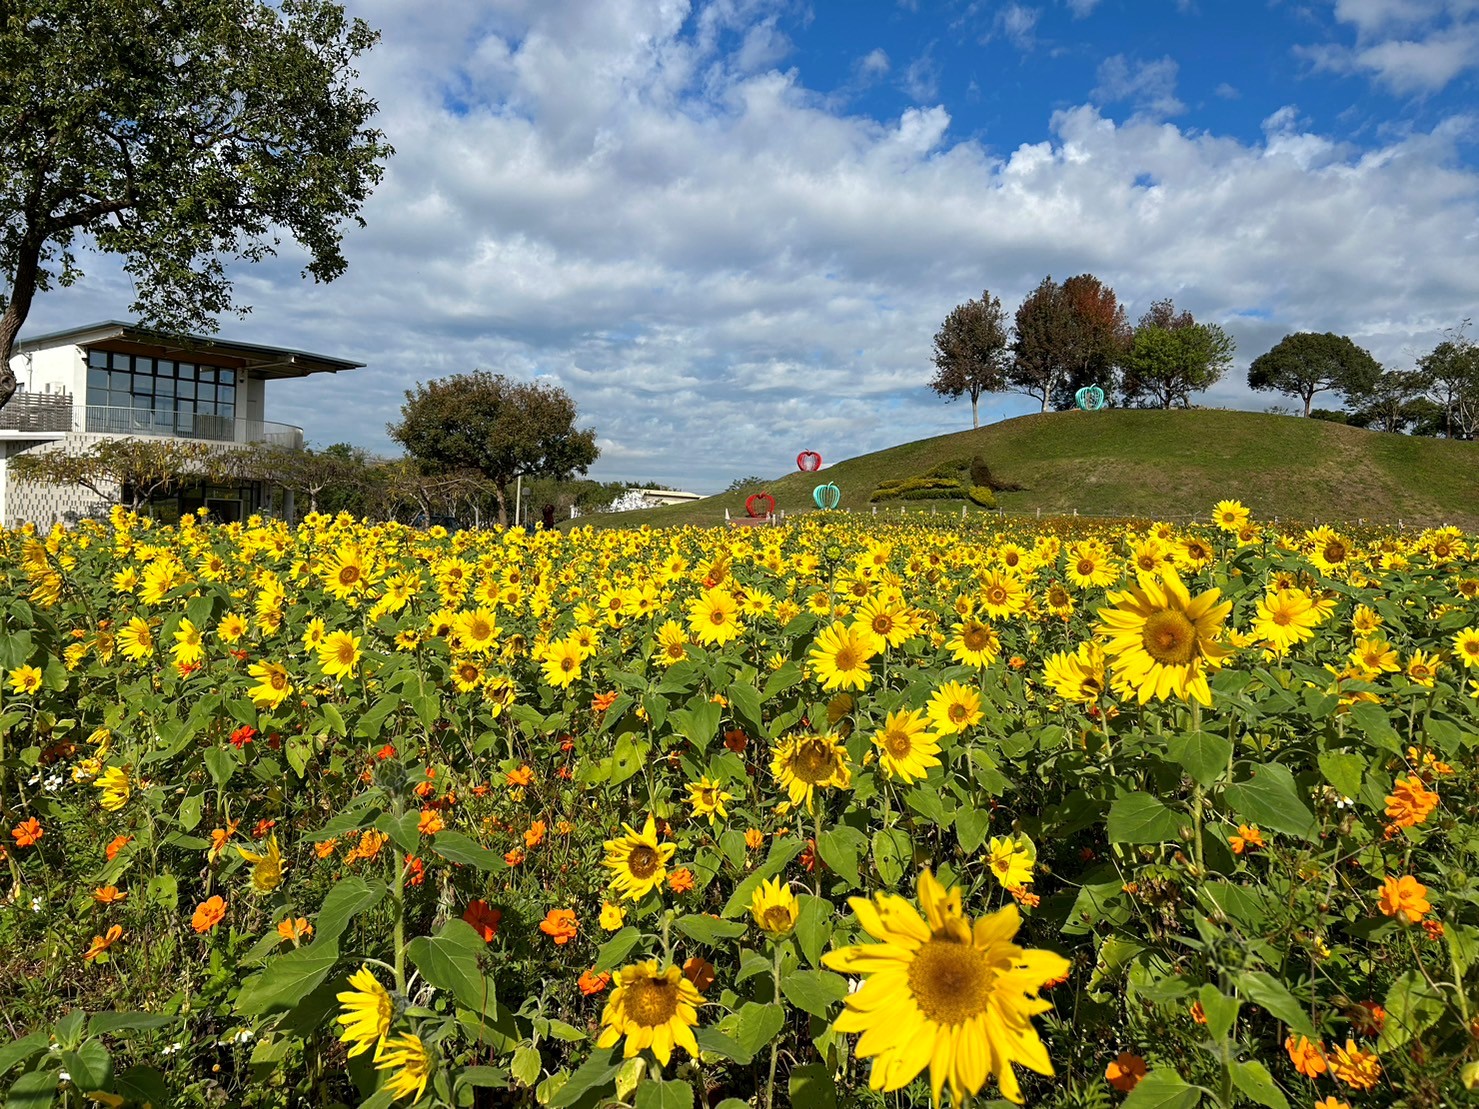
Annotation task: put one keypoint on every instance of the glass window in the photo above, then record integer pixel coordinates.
(164, 387)
(96, 380)
(185, 389)
(228, 377)
(226, 410)
(98, 358)
(208, 373)
(226, 394)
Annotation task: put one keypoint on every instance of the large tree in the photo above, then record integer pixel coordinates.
(1173, 356)
(972, 352)
(1067, 336)
(178, 134)
(1451, 372)
(501, 428)
(1307, 363)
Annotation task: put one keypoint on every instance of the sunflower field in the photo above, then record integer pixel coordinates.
(842, 813)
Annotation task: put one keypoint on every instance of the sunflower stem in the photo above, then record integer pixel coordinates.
(775, 1046)
(399, 893)
(816, 855)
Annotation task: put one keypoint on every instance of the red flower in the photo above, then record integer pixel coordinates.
(262, 828)
(484, 920)
(242, 736)
(386, 752)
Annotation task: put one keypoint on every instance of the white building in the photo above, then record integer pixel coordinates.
(113, 380)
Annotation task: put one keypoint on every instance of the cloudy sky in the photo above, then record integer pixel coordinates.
(730, 228)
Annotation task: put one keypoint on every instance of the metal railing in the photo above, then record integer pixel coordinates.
(37, 412)
(182, 425)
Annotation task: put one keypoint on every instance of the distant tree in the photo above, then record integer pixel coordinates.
(1452, 371)
(1306, 363)
(128, 472)
(741, 484)
(176, 135)
(1325, 415)
(1067, 336)
(501, 428)
(330, 480)
(972, 352)
(1173, 356)
(1388, 405)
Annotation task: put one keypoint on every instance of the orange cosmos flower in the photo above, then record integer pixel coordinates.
(1247, 837)
(681, 880)
(700, 972)
(294, 930)
(262, 827)
(1356, 1068)
(1198, 1014)
(102, 943)
(27, 832)
(1368, 1017)
(535, 835)
(1405, 897)
(564, 827)
(560, 925)
(208, 914)
(592, 983)
(108, 895)
(514, 857)
(1332, 1103)
(484, 920)
(117, 845)
(1410, 802)
(523, 776)
(324, 848)
(603, 701)
(1308, 1058)
(415, 870)
(1125, 1072)
(754, 839)
(430, 823)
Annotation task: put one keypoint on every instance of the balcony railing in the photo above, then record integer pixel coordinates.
(182, 425)
(42, 412)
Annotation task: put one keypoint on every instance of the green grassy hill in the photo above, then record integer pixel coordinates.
(1159, 464)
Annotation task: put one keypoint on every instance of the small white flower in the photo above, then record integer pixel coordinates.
(53, 783)
(170, 1049)
(35, 904)
(243, 1036)
(63, 1076)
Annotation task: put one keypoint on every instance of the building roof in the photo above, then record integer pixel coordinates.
(260, 361)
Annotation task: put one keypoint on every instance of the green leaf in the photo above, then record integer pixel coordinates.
(484, 1077)
(1272, 800)
(1373, 723)
(816, 991)
(597, 1072)
(404, 832)
(698, 722)
(458, 848)
(1268, 992)
(1203, 755)
(1343, 770)
(1141, 818)
(333, 719)
(754, 1026)
(287, 980)
(840, 847)
(526, 1066)
(1220, 1011)
(143, 1085)
(782, 851)
(347, 899)
(744, 699)
(814, 926)
(929, 805)
(90, 1067)
(812, 1086)
(712, 1040)
(893, 851)
(18, 1051)
(657, 1094)
(971, 826)
(449, 961)
(126, 1022)
(614, 950)
(220, 764)
(1163, 1088)
(709, 930)
(1253, 1078)
(628, 758)
(732, 843)
(1412, 1006)
(33, 1090)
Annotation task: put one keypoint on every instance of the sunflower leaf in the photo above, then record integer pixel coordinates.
(1141, 818)
(1271, 799)
(815, 991)
(1163, 1088)
(782, 851)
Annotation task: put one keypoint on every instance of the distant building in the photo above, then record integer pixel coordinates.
(118, 380)
(668, 496)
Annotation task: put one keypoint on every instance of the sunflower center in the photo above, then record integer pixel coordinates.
(567, 664)
(1085, 567)
(278, 679)
(899, 745)
(813, 762)
(643, 860)
(717, 616)
(1283, 618)
(348, 575)
(1335, 552)
(651, 1002)
(1057, 596)
(974, 637)
(846, 659)
(996, 595)
(883, 624)
(778, 919)
(1170, 638)
(958, 713)
(951, 982)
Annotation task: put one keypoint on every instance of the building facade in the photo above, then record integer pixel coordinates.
(117, 380)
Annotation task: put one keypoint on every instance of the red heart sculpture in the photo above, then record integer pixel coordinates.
(755, 500)
(808, 462)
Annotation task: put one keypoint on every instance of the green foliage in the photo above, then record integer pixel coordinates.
(130, 471)
(1067, 336)
(971, 353)
(177, 136)
(1305, 363)
(1167, 364)
(500, 428)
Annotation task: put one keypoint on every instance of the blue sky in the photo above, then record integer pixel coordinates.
(730, 228)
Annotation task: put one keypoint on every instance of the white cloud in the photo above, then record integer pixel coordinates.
(1019, 24)
(1149, 86)
(1412, 47)
(1081, 8)
(724, 267)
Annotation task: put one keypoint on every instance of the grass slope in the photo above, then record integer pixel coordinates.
(1159, 464)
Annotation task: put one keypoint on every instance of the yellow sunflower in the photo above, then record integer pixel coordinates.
(651, 1009)
(1286, 617)
(953, 708)
(804, 762)
(344, 572)
(368, 1011)
(1230, 515)
(266, 866)
(840, 658)
(774, 908)
(272, 685)
(408, 1057)
(714, 618)
(945, 993)
(1002, 595)
(1011, 859)
(188, 648)
(561, 664)
(115, 786)
(478, 630)
(136, 639)
(707, 798)
(1077, 676)
(637, 861)
(905, 749)
(1162, 641)
(974, 643)
(1466, 647)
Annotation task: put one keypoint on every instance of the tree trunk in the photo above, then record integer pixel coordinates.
(975, 413)
(500, 494)
(1308, 399)
(22, 291)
